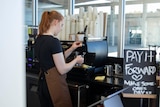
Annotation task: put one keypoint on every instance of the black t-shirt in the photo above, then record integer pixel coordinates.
(45, 46)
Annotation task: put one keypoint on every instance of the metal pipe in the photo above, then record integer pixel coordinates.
(144, 25)
(79, 93)
(121, 28)
(71, 6)
(35, 12)
(112, 23)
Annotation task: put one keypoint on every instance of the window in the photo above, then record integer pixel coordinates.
(141, 29)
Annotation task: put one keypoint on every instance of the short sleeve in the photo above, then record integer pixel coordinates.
(55, 46)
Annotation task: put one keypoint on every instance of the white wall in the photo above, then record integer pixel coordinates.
(12, 59)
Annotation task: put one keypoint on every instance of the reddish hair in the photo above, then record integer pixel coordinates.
(46, 20)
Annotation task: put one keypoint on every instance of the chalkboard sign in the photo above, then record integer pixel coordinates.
(140, 72)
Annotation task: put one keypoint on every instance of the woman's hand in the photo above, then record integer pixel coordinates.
(76, 44)
(80, 59)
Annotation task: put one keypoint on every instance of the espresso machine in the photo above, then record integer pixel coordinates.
(84, 86)
(31, 62)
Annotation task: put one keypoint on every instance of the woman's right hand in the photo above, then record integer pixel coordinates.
(80, 59)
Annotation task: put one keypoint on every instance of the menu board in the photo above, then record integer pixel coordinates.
(140, 72)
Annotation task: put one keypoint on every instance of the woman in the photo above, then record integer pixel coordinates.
(53, 89)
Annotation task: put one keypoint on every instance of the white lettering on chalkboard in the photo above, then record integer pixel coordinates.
(139, 87)
(131, 83)
(139, 83)
(137, 56)
(149, 57)
(147, 83)
(147, 70)
(139, 90)
(134, 55)
(140, 71)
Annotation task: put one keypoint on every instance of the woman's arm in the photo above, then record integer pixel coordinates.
(72, 48)
(64, 67)
(68, 52)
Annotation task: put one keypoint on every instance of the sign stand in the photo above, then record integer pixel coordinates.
(140, 73)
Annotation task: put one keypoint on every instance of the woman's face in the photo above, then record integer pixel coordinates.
(58, 27)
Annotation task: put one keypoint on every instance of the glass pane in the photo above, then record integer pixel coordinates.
(133, 26)
(142, 27)
(153, 8)
(141, 24)
(42, 6)
(105, 9)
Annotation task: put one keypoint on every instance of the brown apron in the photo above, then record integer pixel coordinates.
(58, 88)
